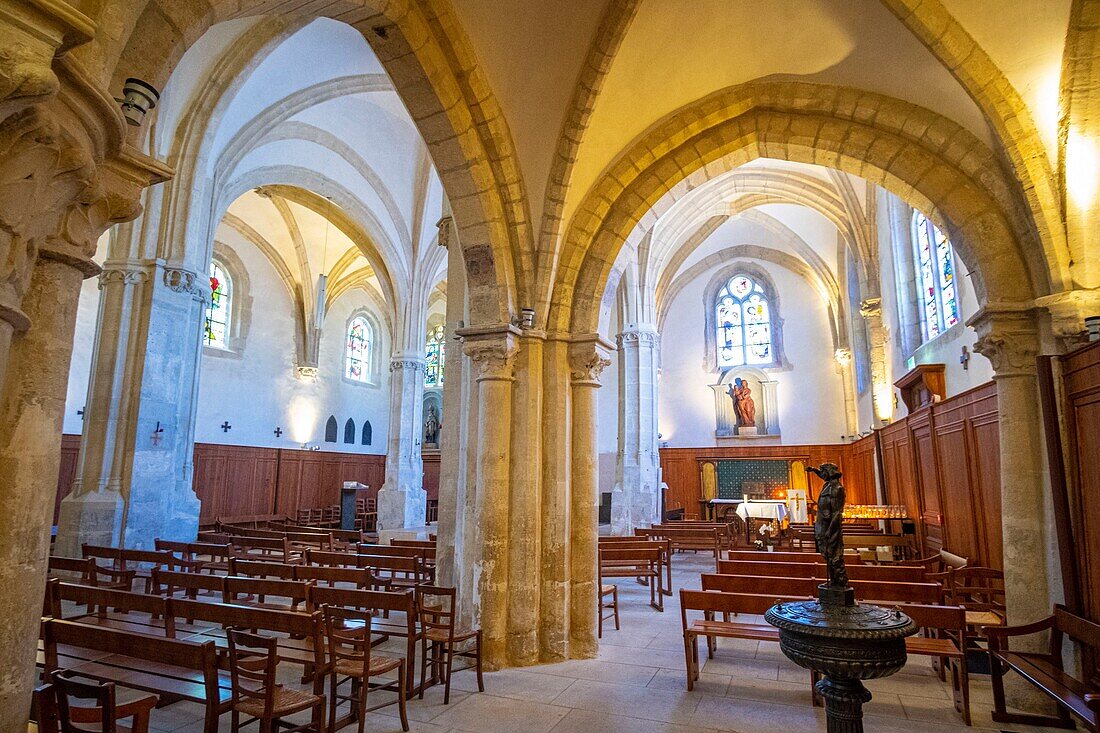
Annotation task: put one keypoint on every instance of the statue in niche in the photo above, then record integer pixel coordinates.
(431, 426)
(828, 530)
(743, 403)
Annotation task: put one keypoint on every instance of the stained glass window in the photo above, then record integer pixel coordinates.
(743, 323)
(434, 353)
(935, 264)
(216, 324)
(357, 350)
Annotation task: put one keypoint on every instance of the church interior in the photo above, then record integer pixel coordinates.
(500, 365)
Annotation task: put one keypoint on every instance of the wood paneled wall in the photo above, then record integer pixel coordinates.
(943, 463)
(238, 479)
(1081, 381)
(680, 468)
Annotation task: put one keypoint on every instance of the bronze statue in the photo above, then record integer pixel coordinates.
(828, 532)
(743, 403)
(431, 426)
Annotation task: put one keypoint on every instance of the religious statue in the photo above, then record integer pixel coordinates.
(743, 403)
(431, 426)
(828, 532)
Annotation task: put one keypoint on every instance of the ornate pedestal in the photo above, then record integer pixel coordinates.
(846, 642)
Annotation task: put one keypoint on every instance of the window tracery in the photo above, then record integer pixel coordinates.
(934, 260)
(743, 333)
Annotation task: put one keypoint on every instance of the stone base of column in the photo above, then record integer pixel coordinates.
(175, 518)
(93, 518)
(631, 509)
(400, 508)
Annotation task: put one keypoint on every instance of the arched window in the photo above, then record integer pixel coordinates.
(743, 332)
(935, 264)
(330, 429)
(216, 326)
(349, 431)
(367, 433)
(357, 351)
(433, 358)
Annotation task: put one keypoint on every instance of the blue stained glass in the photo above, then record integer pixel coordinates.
(216, 322)
(742, 324)
(357, 350)
(936, 275)
(434, 356)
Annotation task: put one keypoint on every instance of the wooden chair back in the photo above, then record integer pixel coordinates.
(348, 638)
(169, 583)
(976, 588)
(101, 711)
(253, 665)
(370, 600)
(83, 567)
(260, 569)
(436, 608)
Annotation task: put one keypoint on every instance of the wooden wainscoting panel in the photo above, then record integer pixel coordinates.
(70, 461)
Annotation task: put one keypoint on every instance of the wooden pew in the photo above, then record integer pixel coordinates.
(203, 556)
(707, 540)
(360, 578)
(643, 561)
(171, 584)
(260, 569)
(850, 558)
(426, 554)
(112, 608)
(398, 572)
(332, 559)
(1045, 671)
(897, 573)
(403, 602)
(728, 533)
(173, 668)
(635, 542)
(89, 573)
(866, 590)
(278, 549)
(240, 590)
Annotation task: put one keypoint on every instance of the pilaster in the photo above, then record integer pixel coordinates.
(402, 499)
(638, 469)
(882, 395)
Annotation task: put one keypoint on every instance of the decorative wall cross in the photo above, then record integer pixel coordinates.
(158, 434)
(81, 413)
(226, 427)
(964, 359)
(278, 432)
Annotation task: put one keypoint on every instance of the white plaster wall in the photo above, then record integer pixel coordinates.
(607, 413)
(83, 346)
(258, 391)
(811, 397)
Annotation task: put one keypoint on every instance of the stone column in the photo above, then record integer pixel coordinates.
(31, 413)
(1009, 339)
(587, 359)
(402, 500)
(493, 355)
(555, 527)
(133, 484)
(882, 394)
(844, 369)
(905, 284)
(638, 469)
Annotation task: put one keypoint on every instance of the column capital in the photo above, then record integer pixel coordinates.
(588, 357)
(1068, 311)
(406, 361)
(870, 307)
(642, 336)
(1009, 337)
(445, 225)
(492, 350)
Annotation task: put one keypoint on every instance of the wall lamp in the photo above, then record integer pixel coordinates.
(137, 99)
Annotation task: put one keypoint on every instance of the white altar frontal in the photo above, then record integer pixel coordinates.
(763, 509)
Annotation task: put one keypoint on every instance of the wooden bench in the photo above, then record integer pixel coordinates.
(260, 569)
(1045, 670)
(110, 608)
(897, 573)
(707, 540)
(810, 557)
(89, 572)
(947, 623)
(172, 583)
(203, 556)
(635, 542)
(642, 561)
(278, 549)
(241, 590)
(728, 533)
(172, 668)
(866, 590)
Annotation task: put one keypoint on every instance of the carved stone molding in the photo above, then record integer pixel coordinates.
(642, 337)
(182, 281)
(445, 225)
(122, 275)
(843, 357)
(306, 373)
(397, 365)
(494, 358)
(1009, 339)
(871, 308)
(587, 360)
(1068, 312)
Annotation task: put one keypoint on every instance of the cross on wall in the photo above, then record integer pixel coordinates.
(226, 427)
(278, 432)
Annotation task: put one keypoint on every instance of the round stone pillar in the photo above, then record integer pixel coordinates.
(32, 408)
(587, 359)
(493, 357)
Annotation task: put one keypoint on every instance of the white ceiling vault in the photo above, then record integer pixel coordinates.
(293, 138)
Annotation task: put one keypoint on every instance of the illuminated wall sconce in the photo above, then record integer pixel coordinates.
(527, 318)
(306, 373)
(138, 98)
(1092, 323)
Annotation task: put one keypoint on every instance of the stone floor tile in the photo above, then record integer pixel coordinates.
(485, 713)
(639, 702)
(587, 721)
(676, 680)
(521, 684)
(595, 669)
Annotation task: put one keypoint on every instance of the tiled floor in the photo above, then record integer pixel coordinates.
(636, 685)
